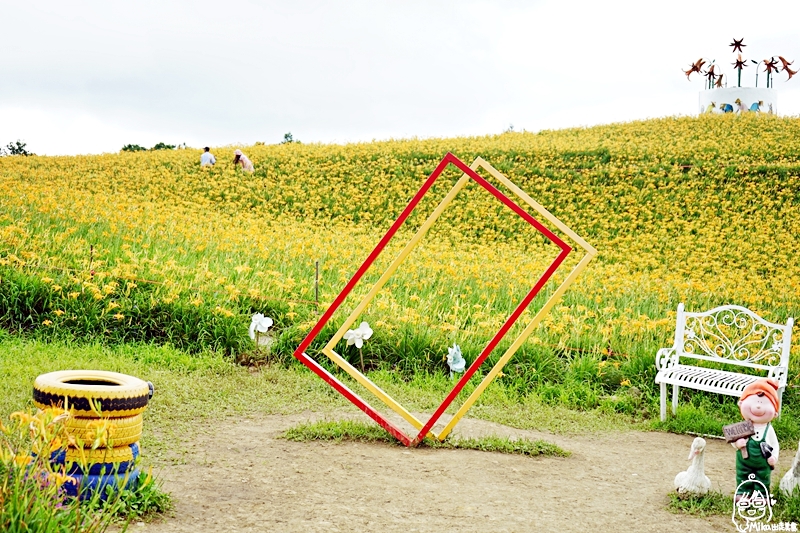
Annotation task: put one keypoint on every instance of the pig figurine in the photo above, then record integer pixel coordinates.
(759, 404)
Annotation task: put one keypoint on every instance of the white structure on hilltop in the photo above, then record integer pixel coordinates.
(719, 98)
(739, 100)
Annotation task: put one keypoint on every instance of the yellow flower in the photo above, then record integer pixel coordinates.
(47, 322)
(119, 316)
(22, 459)
(59, 478)
(626, 383)
(222, 311)
(22, 417)
(99, 432)
(58, 312)
(55, 444)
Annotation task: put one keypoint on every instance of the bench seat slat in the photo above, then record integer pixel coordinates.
(708, 379)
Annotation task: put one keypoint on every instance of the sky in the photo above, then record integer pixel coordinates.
(89, 77)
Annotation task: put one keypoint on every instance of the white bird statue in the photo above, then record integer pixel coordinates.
(694, 480)
(791, 479)
(454, 360)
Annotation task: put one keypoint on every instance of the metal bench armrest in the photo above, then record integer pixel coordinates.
(779, 374)
(666, 358)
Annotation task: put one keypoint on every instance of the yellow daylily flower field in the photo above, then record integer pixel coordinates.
(150, 247)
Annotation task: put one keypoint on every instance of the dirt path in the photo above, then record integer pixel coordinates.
(242, 478)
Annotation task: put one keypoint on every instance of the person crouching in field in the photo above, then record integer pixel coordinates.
(207, 159)
(240, 158)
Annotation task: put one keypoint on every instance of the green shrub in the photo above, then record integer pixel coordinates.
(133, 148)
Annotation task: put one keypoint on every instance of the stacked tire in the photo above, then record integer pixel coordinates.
(95, 399)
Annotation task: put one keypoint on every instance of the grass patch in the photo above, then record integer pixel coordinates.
(788, 506)
(145, 502)
(786, 509)
(349, 430)
(711, 503)
(338, 431)
(493, 443)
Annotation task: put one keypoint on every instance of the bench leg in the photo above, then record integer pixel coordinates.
(675, 390)
(663, 402)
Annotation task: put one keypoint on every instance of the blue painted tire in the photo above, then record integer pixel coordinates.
(88, 485)
(103, 461)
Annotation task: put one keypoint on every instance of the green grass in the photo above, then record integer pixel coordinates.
(349, 430)
(338, 431)
(494, 443)
(194, 391)
(709, 504)
(145, 502)
(786, 508)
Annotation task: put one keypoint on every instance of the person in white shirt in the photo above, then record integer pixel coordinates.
(207, 159)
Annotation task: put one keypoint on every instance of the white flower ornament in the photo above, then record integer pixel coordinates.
(259, 324)
(359, 335)
(454, 359)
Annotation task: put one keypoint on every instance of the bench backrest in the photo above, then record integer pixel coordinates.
(735, 335)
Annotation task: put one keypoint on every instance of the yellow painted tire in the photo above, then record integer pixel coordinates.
(115, 460)
(121, 431)
(117, 454)
(117, 395)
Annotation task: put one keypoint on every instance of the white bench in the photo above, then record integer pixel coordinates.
(730, 335)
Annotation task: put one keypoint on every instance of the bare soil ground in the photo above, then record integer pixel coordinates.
(241, 477)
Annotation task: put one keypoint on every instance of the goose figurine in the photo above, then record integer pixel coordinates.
(694, 480)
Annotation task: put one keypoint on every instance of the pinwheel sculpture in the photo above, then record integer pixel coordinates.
(711, 76)
(786, 67)
(695, 67)
(737, 45)
(739, 64)
(770, 66)
(714, 78)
